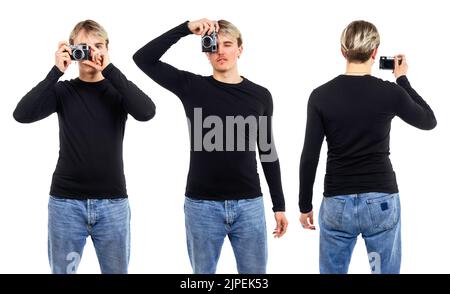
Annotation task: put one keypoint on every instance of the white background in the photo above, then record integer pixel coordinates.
(290, 47)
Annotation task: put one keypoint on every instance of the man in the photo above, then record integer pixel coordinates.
(88, 194)
(354, 112)
(223, 194)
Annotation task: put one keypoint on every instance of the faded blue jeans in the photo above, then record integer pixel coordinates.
(71, 221)
(376, 216)
(209, 222)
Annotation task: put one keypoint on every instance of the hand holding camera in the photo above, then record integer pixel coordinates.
(397, 64)
(208, 30)
(203, 27)
(63, 56)
(99, 59)
(401, 67)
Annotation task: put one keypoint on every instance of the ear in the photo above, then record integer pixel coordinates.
(240, 49)
(343, 53)
(374, 53)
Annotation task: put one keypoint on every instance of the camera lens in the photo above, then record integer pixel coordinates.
(78, 54)
(206, 41)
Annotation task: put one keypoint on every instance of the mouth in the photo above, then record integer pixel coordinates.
(221, 60)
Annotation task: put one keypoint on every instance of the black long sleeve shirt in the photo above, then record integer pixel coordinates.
(217, 174)
(355, 114)
(92, 120)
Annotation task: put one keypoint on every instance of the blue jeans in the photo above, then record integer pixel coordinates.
(70, 222)
(209, 222)
(376, 216)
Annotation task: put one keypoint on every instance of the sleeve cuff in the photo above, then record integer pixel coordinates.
(55, 72)
(108, 69)
(186, 27)
(306, 209)
(402, 80)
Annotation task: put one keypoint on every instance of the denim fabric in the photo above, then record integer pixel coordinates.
(209, 222)
(70, 222)
(376, 216)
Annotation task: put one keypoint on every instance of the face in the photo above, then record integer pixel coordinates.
(93, 41)
(228, 52)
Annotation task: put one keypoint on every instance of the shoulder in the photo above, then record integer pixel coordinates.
(62, 86)
(261, 91)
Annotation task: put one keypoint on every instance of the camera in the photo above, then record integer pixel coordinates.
(209, 43)
(388, 62)
(80, 52)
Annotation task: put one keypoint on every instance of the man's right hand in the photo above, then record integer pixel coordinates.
(203, 26)
(62, 56)
(400, 69)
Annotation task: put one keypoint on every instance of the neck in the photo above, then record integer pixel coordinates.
(229, 77)
(91, 77)
(358, 69)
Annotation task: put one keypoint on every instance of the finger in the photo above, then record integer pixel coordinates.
(61, 43)
(285, 225)
(311, 219)
(94, 49)
(64, 48)
(283, 229)
(65, 55)
(90, 63)
(217, 26)
(309, 227)
(62, 56)
(276, 234)
(306, 224)
(99, 59)
(212, 27)
(207, 30)
(67, 62)
(199, 29)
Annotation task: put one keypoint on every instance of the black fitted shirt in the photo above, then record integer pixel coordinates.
(92, 120)
(219, 173)
(354, 113)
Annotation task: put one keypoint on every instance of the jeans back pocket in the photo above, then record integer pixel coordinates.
(332, 212)
(384, 212)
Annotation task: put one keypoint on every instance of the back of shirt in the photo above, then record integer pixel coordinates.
(354, 113)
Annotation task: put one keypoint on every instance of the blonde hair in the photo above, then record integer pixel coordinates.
(358, 40)
(89, 26)
(227, 27)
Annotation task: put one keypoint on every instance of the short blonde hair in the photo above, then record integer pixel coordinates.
(358, 40)
(89, 26)
(227, 27)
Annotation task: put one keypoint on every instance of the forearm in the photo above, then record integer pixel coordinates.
(272, 174)
(134, 100)
(150, 54)
(148, 60)
(40, 101)
(314, 135)
(308, 168)
(416, 112)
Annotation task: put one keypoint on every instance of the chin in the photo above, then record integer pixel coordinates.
(88, 69)
(221, 68)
